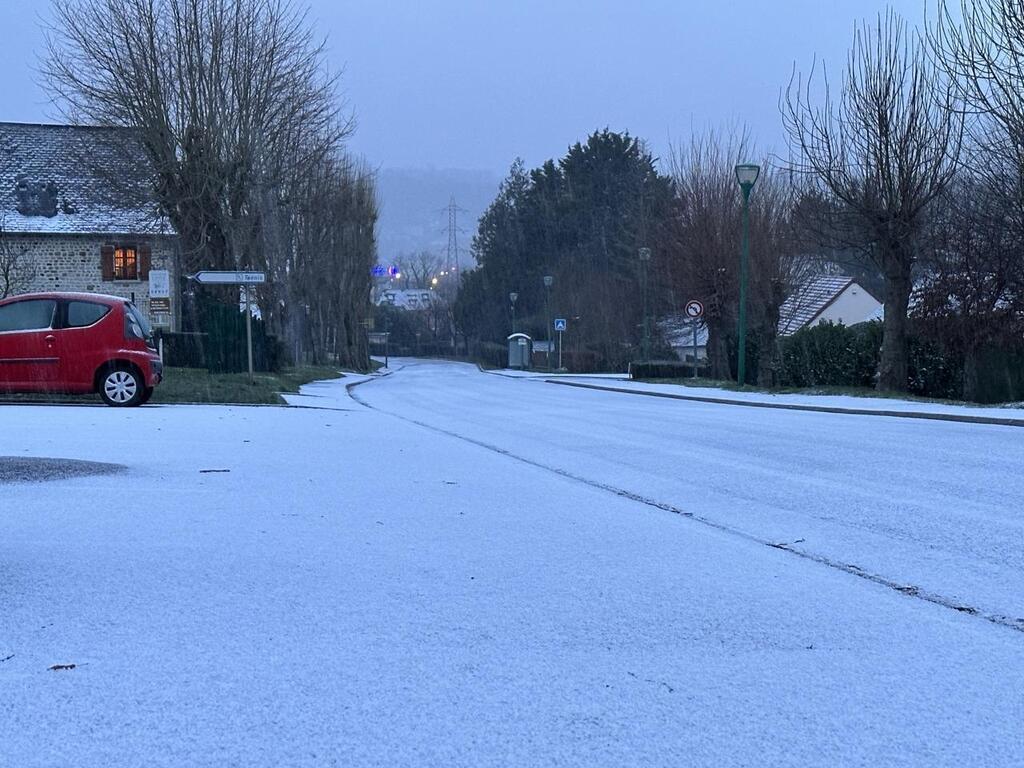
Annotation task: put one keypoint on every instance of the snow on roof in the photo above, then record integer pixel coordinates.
(407, 298)
(72, 179)
(808, 301)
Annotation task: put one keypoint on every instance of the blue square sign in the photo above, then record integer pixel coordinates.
(560, 324)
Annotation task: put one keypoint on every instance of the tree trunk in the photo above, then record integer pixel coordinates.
(769, 361)
(718, 352)
(892, 367)
(970, 381)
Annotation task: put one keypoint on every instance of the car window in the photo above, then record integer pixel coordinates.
(30, 315)
(85, 313)
(139, 318)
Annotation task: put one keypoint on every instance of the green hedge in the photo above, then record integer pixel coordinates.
(831, 355)
(847, 356)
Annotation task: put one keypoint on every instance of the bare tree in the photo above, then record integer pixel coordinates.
(982, 53)
(17, 269)
(418, 269)
(879, 153)
(706, 236)
(228, 97)
(971, 295)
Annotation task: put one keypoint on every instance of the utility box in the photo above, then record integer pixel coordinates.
(520, 351)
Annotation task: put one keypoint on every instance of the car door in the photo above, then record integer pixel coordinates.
(83, 340)
(29, 354)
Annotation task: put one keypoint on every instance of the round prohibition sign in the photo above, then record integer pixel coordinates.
(694, 309)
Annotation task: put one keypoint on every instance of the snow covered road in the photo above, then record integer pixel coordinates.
(360, 590)
(933, 507)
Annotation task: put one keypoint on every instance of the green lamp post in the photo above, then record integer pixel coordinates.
(746, 175)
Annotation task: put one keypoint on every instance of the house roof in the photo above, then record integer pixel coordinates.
(71, 179)
(809, 301)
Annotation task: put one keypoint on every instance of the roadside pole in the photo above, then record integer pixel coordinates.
(561, 324)
(694, 311)
(695, 350)
(248, 329)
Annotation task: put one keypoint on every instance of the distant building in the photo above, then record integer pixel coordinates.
(77, 209)
(827, 299)
(415, 299)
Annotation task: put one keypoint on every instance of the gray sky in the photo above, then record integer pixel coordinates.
(473, 84)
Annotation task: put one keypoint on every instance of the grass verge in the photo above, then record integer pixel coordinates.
(197, 385)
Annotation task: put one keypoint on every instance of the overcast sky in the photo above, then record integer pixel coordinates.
(474, 83)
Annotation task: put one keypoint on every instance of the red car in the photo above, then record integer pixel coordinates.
(77, 343)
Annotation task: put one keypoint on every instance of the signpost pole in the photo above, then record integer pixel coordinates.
(695, 349)
(694, 311)
(246, 279)
(248, 329)
(560, 350)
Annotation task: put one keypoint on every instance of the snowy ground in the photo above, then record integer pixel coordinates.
(474, 589)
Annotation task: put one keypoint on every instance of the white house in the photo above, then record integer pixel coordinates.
(827, 299)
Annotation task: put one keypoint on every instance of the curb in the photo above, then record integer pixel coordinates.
(963, 419)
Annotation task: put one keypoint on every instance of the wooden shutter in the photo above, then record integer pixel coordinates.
(107, 262)
(145, 261)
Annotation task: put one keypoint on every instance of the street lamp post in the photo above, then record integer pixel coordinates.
(548, 280)
(645, 347)
(746, 175)
(512, 300)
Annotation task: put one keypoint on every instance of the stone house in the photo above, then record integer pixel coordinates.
(77, 214)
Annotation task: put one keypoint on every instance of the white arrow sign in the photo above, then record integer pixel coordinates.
(230, 278)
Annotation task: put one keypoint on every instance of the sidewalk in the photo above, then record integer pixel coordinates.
(861, 406)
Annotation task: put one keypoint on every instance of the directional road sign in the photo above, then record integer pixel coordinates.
(230, 278)
(560, 324)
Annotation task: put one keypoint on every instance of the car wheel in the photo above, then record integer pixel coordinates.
(146, 394)
(122, 387)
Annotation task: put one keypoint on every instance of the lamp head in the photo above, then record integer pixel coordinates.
(746, 175)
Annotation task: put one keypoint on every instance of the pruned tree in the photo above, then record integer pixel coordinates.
(970, 296)
(879, 152)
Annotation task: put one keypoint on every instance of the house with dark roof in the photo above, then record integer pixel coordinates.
(77, 213)
(827, 299)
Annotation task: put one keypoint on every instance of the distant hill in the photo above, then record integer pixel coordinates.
(414, 204)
